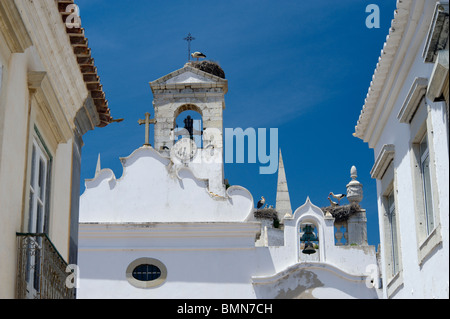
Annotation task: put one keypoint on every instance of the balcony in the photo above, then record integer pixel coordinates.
(41, 271)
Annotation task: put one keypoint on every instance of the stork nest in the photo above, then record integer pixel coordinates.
(266, 213)
(342, 213)
(208, 67)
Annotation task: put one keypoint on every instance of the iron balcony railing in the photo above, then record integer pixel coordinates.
(41, 272)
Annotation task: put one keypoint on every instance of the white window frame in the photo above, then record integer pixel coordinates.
(38, 190)
(40, 163)
(428, 234)
(146, 284)
(391, 246)
(392, 220)
(38, 186)
(427, 191)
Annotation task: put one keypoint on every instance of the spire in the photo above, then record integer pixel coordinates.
(283, 203)
(99, 166)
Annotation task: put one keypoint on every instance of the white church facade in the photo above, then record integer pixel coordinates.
(170, 227)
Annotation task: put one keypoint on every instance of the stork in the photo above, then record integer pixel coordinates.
(261, 202)
(333, 204)
(198, 55)
(338, 196)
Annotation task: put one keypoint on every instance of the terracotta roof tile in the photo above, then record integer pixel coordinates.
(87, 67)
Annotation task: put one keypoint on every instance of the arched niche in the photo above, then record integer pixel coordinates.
(182, 116)
(187, 107)
(309, 214)
(317, 230)
(309, 241)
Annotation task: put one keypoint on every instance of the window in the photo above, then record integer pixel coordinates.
(425, 173)
(146, 273)
(392, 220)
(426, 201)
(389, 221)
(37, 212)
(39, 183)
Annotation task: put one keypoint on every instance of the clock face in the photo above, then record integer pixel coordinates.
(185, 149)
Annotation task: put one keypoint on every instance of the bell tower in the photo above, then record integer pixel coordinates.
(199, 87)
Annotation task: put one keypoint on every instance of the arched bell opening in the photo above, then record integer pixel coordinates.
(309, 243)
(188, 123)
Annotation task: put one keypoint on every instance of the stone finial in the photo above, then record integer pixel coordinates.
(353, 173)
(354, 188)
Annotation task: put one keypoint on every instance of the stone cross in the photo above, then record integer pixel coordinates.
(147, 123)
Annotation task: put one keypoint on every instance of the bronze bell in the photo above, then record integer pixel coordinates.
(309, 248)
(307, 237)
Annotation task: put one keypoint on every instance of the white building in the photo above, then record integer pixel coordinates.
(405, 120)
(50, 96)
(170, 228)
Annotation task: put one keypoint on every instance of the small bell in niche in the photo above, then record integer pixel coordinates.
(308, 237)
(309, 249)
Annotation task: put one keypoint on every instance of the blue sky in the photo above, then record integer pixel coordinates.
(303, 67)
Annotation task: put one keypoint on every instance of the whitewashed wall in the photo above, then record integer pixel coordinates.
(430, 278)
(206, 244)
(171, 195)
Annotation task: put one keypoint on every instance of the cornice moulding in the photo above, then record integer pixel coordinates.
(416, 93)
(50, 106)
(158, 230)
(383, 160)
(162, 83)
(439, 77)
(437, 37)
(13, 28)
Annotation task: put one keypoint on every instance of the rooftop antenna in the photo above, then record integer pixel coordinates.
(189, 39)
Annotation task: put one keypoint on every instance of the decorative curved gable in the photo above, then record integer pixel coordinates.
(152, 190)
(308, 210)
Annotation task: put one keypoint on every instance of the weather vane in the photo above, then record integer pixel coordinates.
(189, 39)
